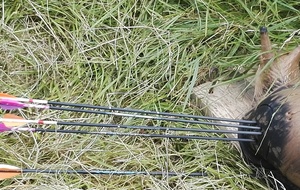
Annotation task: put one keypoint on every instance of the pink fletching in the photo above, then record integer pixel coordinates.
(3, 128)
(10, 104)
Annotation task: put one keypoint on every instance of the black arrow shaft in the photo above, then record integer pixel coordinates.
(141, 135)
(51, 103)
(110, 172)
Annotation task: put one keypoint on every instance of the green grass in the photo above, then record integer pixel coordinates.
(126, 53)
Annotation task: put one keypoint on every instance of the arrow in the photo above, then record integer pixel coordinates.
(9, 102)
(11, 122)
(8, 171)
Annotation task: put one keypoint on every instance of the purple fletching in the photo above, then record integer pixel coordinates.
(3, 128)
(10, 104)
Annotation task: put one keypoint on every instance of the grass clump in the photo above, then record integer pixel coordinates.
(139, 54)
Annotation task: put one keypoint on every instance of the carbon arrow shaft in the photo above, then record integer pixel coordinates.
(111, 172)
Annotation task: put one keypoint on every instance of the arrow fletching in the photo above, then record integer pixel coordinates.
(13, 121)
(7, 102)
(11, 97)
(8, 171)
(4, 128)
(4, 95)
(10, 104)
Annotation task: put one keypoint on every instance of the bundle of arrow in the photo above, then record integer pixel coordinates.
(14, 123)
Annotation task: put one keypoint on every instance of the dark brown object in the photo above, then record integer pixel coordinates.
(276, 109)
